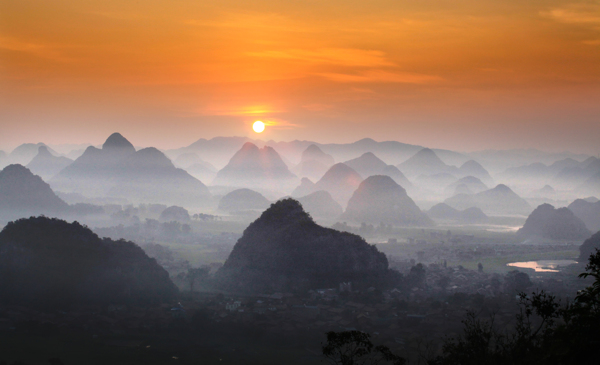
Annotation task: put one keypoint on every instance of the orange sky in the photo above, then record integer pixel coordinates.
(458, 74)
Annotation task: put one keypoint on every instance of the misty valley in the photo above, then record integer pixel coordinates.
(240, 251)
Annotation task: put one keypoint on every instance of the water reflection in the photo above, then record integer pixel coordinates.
(543, 265)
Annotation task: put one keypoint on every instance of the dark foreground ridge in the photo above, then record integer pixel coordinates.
(52, 263)
(285, 250)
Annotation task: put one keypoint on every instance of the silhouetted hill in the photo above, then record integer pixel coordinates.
(217, 151)
(443, 211)
(175, 213)
(424, 162)
(23, 154)
(558, 224)
(379, 199)
(51, 263)
(367, 165)
(500, 200)
(117, 170)
(588, 212)
(23, 194)
(474, 168)
(340, 181)
(255, 167)
(589, 247)
(306, 187)
(320, 204)
(243, 200)
(546, 192)
(47, 165)
(285, 250)
(313, 152)
(473, 184)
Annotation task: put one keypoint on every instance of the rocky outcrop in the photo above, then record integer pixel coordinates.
(52, 263)
(285, 250)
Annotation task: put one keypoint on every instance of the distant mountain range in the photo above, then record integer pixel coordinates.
(118, 170)
(252, 166)
(500, 200)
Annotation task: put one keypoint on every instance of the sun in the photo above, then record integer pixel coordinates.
(258, 126)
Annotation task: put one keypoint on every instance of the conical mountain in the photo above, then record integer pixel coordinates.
(558, 224)
(320, 204)
(285, 250)
(23, 154)
(23, 194)
(340, 181)
(588, 212)
(243, 200)
(47, 165)
(589, 247)
(500, 200)
(117, 143)
(117, 170)
(424, 162)
(547, 192)
(379, 199)
(474, 185)
(472, 215)
(314, 153)
(367, 165)
(313, 163)
(443, 211)
(474, 168)
(255, 167)
(306, 187)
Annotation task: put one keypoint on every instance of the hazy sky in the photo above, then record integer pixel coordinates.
(458, 74)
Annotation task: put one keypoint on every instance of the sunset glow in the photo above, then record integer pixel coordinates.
(463, 75)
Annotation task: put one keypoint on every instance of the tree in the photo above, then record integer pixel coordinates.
(356, 348)
(545, 332)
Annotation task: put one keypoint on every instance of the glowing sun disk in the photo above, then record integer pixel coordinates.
(258, 126)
